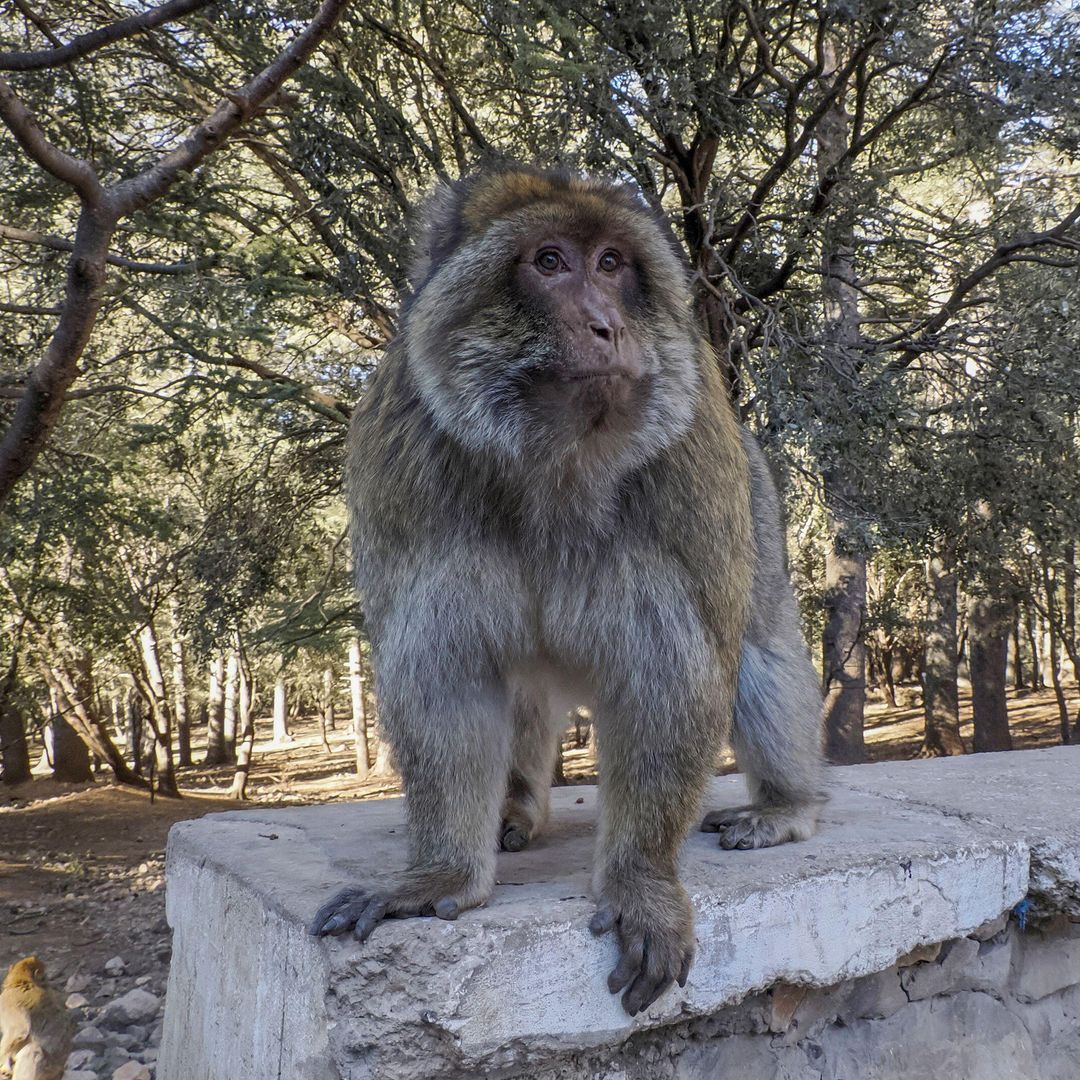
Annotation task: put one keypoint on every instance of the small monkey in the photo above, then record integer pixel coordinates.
(36, 1029)
(551, 504)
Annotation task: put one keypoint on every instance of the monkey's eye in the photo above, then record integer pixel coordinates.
(548, 261)
(609, 262)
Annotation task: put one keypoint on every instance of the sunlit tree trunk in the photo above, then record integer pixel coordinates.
(181, 704)
(245, 741)
(359, 711)
(281, 713)
(160, 712)
(65, 751)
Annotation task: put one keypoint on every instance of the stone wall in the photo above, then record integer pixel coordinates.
(929, 930)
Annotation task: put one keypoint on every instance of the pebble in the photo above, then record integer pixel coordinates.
(80, 1059)
(134, 1007)
(77, 1001)
(89, 1036)
(115, 966)
(77, 983)
(132, 1070)
(80, 1074)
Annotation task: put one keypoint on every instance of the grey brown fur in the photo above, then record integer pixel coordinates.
(515, 560)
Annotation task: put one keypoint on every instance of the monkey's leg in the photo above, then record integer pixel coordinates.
(536, 744)
(656, 753)
(445, 711)
(777, 745)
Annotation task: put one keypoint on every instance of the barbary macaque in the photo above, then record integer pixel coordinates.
(36, 1029)
(551, 504)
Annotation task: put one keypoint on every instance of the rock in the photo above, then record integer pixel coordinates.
(80, 1059)
(89, 1036)
(77, 1001)
(142, 980)
(134, 1007)
(77, 983)
(132, 1070)
(80, 1074)
(115, 966)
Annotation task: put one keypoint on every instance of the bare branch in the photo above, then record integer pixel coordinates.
(58, 243)
(24, 126)
(96, 39)
(28, 309)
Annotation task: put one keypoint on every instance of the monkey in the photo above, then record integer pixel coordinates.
(36, 1029)
(552, 503)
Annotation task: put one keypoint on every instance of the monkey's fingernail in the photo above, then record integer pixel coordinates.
(447, 908)
(334, 924)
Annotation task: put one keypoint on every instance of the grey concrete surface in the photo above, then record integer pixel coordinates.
(908, 855)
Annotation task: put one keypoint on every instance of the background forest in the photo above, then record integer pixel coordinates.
(881, 206)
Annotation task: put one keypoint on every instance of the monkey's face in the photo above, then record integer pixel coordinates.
(555, 327)
(586, 291)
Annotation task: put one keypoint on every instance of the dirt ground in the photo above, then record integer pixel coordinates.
(82, 866)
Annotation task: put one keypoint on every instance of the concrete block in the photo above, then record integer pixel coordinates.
(1030, 796)
(520, 984)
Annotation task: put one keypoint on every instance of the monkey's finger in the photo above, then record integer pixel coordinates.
(333, 916)
(374, 912)
(447, 908)
(684, 971)
(715, 820)
(604, 920)
(630, 963)
(644, 991)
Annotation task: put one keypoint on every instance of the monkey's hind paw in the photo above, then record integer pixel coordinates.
(514, 837)
(746, 827)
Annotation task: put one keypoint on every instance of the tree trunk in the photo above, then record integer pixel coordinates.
(135, 732)
(1018, 658)
(844, 655)
(843, 649)
(326, 706)
(281, 714)
(359, 712)
(14, 751)
(216, 753)
(76, 697)
(181, 704)
(988, 639)
(67, 753)
(1033, 644)
(160, 712)
(232, 669)
(1055, 660)
(941, 700)
(246, 737)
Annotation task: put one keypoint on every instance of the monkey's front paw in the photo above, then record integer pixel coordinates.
(746, 827)
(655, 934)
(351, 909)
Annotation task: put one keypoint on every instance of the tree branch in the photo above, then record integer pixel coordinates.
(58, 243)
(238, 106)
(1011, 251)
(72, 171)
(96, 39)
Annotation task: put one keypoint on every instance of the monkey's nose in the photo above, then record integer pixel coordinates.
(603, 331)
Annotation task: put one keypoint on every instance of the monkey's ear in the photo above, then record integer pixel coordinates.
(439, 229)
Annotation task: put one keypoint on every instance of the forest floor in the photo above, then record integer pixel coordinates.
(82, 866)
